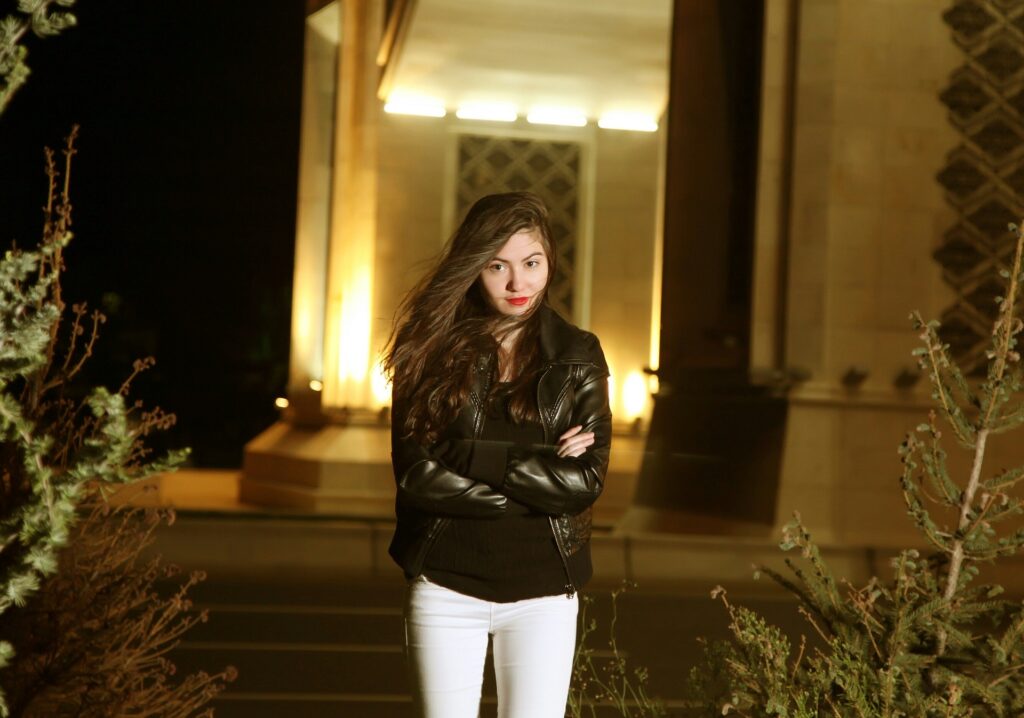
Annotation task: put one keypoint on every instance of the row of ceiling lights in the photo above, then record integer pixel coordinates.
(500, 112)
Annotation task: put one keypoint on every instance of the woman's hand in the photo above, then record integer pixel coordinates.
(575, 441)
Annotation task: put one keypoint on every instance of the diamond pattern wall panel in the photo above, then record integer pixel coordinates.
(489, 164)
(983, 176)
(966, 95)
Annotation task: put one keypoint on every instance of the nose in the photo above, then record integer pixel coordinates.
(513, 281)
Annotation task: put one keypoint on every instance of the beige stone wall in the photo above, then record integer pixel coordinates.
(617, 221)
(865, 210)
(410, 209)
(624, 211)
(869, 136)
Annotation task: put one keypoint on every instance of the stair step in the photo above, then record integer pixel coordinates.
(312, 593)
(300, 624)
(300, 668)
(324, 645)
(313, 706)
(269, 705)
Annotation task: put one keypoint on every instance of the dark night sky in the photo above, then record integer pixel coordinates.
(184, 194)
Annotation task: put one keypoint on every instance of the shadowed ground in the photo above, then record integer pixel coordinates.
(315, 643)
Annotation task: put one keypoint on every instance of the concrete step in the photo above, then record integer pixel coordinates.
(310, 610)
(313, 706)
(302, 668)
(319, 706)
(333, 647)
(370, 626)
(311, 592)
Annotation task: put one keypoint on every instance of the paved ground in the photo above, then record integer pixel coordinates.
(308, 607)
(333, 647)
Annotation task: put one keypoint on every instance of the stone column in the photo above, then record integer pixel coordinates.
(713, 450)
(329, 453)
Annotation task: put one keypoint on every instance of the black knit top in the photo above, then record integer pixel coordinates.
(509, 558)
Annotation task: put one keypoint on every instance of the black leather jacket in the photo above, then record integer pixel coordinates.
(572, 390)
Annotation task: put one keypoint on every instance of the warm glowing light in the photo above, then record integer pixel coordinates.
(634, 394)
(401, 104)
(556, 116)
(653, 384)
(354, 335)
(380, 387)
(611, 390)
(490, 111)
(654, 343)
(347, 345)
(316, 385)
(281, 403)
(303, 334)
(635, 121)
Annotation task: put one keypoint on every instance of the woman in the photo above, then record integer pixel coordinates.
(500, 439)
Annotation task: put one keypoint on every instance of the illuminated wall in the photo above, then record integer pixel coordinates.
(347, 354)
(862, 215)
(309, 287)
(617, 227)
(379, 195)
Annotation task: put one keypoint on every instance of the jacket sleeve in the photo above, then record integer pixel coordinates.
(424, 483)
(539, 478)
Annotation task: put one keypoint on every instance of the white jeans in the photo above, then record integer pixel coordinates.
(446, 644)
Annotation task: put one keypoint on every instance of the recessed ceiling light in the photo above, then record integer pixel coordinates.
(414, 105)
(556, 116)
(491, 111)
(635, 121)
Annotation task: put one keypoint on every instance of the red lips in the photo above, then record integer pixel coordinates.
(518, 301)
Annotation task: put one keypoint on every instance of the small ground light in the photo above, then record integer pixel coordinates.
(316, 385)
(281, 403)
(854, 377)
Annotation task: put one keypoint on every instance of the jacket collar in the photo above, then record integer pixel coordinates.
(560, 341)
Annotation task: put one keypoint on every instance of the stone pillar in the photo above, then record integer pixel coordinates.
(313, 223)
(713, 451)
(348, 356)
(329, 452)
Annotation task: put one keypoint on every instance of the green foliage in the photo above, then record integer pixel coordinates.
(53, 446)
(605, 681)
(31, 15)
(96, 637)
(93, 642)
(931, 641)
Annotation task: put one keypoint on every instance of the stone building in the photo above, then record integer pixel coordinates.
(796, 177)
(750, 197)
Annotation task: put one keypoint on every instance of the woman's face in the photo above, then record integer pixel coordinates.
(514, 280)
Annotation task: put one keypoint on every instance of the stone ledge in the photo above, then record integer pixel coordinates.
(247, 546)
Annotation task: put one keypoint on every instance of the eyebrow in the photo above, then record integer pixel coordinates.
(508, 261)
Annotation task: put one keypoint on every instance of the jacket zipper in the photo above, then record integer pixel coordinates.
(570, 587)
(478, 422)
(441, 522)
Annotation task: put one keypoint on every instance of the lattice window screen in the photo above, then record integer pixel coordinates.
(488, 164)
(984, 175)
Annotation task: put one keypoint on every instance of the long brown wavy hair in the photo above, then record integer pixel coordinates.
(444, 324)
